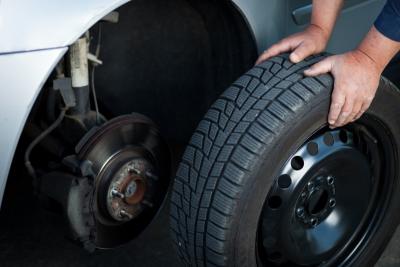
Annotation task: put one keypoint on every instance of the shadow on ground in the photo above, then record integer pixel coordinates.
(31, 236)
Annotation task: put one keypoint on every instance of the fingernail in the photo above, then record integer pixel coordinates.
(294, 58)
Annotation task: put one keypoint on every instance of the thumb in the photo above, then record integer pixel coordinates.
(324, 66)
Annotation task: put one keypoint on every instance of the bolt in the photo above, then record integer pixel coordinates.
(124, 213)
(303, 195)
(300, 212)
(133, 170)
(330, 180)
(310, 186)
(314, 222)
(116, 193)
(151, 175)
(332, 202)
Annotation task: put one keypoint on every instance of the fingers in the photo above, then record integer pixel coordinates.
(346, 112)
(279, 48)
(356, 110)
(337, 103)
(351, 111)
(321, 67)
(304, 50)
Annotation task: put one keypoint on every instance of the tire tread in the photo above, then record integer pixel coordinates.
(224, 148)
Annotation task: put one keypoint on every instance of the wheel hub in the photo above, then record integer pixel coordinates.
(316, 201)
(127, 189)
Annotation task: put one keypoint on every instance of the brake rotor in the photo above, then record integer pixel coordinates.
(130, 164)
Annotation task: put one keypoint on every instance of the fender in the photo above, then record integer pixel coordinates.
(34, 41)
(44, 24)
(260, 16)
(21, 77)
(57, 23)
(28, 54)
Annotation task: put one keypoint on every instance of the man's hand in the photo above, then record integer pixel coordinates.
(309, 42)
(356, 81)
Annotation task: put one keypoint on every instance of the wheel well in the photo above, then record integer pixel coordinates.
(171, 59)
(168, 60)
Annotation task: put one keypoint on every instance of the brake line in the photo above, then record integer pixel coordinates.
(38, 139)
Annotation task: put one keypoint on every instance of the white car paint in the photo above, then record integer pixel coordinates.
(41, 24)
(21, 77)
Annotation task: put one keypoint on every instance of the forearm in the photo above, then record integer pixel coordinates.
(324, 14)
(379, 48)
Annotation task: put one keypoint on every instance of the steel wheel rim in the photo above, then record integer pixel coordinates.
(369, 145)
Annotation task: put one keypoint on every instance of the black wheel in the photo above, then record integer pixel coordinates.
(265, 182)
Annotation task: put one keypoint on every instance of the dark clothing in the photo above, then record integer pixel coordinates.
(388, 22)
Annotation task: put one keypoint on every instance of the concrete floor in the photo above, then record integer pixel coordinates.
(33, 237)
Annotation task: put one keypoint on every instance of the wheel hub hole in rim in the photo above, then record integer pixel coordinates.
(312, 148)
(328, 139)
(317, 202)
(275, 202)
(284, 181)
(297, 163)
(343, 136)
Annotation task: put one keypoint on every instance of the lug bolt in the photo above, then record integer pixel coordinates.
(314, 222)
(310, 186)
(133, 170)
(303, 195)
(116, 193)
(330, 180)
(300, 212)
(124, 213)
(332, 202)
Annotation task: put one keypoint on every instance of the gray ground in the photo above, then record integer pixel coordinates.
(31, 237)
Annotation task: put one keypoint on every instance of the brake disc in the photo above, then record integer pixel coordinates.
(130, 166)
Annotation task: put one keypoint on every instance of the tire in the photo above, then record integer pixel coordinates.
(224, 189)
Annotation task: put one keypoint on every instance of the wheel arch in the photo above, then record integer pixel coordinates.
(43, 41)
(49, 48)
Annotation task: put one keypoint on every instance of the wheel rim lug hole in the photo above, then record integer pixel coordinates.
(330, 180)
(332, 203)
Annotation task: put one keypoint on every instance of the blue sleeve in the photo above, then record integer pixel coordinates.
(388, 22)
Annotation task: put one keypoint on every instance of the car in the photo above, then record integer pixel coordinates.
(103, 103)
